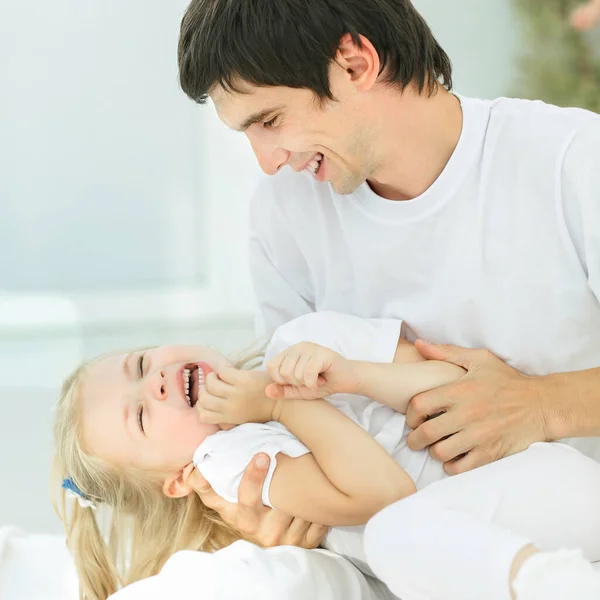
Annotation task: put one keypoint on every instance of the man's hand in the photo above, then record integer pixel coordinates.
(310, 371)
(236, 397)
(491, 412)
(258, 523)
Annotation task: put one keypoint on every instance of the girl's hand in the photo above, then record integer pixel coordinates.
(310, 371)
(235, 396)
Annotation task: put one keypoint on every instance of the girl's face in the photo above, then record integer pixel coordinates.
(138, 412)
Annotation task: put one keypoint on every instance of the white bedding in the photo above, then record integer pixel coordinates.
(34, 566)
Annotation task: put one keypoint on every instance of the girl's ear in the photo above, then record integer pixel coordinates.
(177, 485)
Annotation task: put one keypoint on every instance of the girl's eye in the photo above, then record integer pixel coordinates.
(141, 418)
(141, 365)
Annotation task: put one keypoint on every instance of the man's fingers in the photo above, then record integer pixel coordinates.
(296, 533)
(430, 432)
(304, 534)
(273, 528)
(453, 447)
(457, 355)
(251, 486)
(208, 496)
(314, 535)
(426, 405)
(472, 460)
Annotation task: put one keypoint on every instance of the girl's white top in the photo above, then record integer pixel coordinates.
(223, 457)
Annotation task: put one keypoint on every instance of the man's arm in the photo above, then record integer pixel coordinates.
(570, 403)
(495, 411)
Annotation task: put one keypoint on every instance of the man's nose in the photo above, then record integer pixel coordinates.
(270, 157)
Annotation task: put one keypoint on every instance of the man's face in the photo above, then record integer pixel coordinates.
(286, 126)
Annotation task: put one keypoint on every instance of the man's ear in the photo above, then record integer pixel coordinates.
(177, 484)
(361, 63)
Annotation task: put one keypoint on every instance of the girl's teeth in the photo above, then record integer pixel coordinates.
(186, 383)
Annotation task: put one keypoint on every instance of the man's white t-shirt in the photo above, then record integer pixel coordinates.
(501, 252)
(223, 457)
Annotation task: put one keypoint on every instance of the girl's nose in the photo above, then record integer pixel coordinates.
(158, 385)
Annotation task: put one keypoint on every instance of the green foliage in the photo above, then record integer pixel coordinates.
(559, 64)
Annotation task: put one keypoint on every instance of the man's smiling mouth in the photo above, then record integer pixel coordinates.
(314, 165)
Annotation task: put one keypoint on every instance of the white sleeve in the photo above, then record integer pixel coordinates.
(222, 458)
(356, 338)
(581, 198)
(244, 571)
(278, 269)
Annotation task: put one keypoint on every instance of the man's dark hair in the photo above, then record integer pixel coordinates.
(292, 42)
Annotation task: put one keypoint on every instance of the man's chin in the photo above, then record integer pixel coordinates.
(344, 188)
(226, 426)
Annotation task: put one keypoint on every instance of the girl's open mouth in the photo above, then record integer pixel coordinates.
(194, 375)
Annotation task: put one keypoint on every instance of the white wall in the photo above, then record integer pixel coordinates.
(482, 39)
(121, 202)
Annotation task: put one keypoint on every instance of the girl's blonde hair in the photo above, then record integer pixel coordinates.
(135, 528)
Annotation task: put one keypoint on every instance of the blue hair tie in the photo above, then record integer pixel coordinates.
(72, 490)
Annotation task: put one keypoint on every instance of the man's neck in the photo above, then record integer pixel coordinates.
(417, 138)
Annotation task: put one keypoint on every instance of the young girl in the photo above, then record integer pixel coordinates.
(131, 430)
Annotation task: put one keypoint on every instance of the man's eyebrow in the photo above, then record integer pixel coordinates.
(258, 117)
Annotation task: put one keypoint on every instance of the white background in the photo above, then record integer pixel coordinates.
(122, 202)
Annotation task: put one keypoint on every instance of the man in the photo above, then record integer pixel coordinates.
(476, 222)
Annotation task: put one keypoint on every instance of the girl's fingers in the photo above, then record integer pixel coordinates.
(216, 386)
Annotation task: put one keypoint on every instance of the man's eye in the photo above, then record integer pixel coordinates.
(141, 365)
(270, 123)
(141, 418)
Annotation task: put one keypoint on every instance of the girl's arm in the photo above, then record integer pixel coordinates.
(347, 478)
(308, 371)
(395, 384)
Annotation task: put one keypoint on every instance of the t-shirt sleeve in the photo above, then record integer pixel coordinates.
(278, 269)
(581, 198)
(223, 457)
(356, 338)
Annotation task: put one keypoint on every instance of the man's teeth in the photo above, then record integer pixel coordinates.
(313, 165)
(187, 373)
